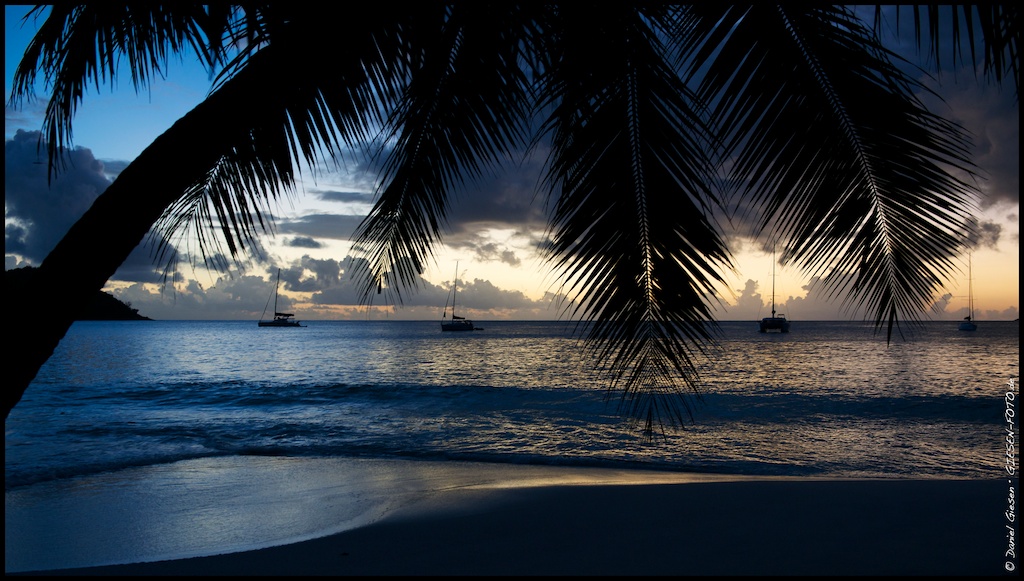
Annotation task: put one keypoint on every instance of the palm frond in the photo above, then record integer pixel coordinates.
(632, 227)
(985, 33)
(841, 160)
(305, 113)
(82, 44)
(463, 110)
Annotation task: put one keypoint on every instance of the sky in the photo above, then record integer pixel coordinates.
(491, 238)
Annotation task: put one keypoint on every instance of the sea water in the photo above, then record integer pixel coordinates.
(826, 399)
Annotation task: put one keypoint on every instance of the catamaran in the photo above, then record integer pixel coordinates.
(774, 323)
(280, 319)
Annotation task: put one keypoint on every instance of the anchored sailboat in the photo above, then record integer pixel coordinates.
(456, 323)
(968, 323)
(774, 323)
(280, 319)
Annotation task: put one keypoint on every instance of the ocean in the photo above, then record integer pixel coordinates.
(828, 399)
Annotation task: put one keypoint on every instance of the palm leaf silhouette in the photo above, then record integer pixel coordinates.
(662, 122)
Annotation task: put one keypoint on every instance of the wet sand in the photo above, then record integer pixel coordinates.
(287, 516)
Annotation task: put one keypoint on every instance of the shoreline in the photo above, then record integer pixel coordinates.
(433, 518)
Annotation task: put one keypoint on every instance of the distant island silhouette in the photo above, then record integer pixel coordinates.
(104, 306)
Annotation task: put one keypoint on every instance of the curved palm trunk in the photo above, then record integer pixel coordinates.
(116, 223)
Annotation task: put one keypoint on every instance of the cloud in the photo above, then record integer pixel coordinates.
(113, 167)
(303, 242)
(508, 257)
(26, 117)
(482, 294)
(39, 214)
(749, 303)
(990, 113)
(228, 298)
(506, 200)
(141, 266)
(343, 197)
(939, 306)
(986, 235)
(43, 212)
(325, 274)
(40, 211)
(320, 225)
(992, 117)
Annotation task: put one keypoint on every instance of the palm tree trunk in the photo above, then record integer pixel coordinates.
(116, 223)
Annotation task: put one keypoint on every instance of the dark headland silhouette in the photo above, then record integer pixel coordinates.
(103, 307)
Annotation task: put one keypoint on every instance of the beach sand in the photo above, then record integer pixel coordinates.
(442, 518)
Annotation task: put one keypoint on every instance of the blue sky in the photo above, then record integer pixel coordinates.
(492, 236)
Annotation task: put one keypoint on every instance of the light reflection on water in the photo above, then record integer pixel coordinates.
(827, 398)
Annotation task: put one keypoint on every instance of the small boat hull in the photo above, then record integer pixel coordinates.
(458, 325)
(968, 326)
(280, 323)
(779, 324)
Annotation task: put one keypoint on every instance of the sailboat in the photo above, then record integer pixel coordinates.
(280, 319)
(774, 323)
(456, 323)
(968, 323)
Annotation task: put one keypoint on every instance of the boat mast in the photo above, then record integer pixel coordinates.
(276, 287)
(773, 281)
(455, 288)
(970, 290)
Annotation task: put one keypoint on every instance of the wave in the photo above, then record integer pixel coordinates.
(166, 423)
